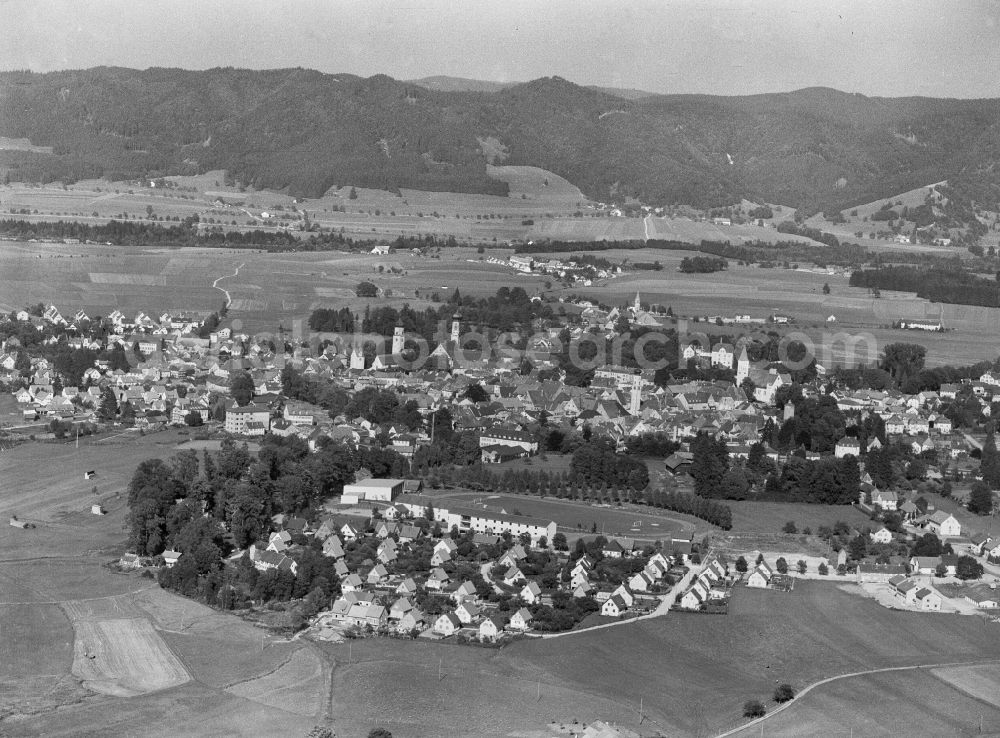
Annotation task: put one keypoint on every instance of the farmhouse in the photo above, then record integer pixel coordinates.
(928, 599)
(872, 572)
(944, 524)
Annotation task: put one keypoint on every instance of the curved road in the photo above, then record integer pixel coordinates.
(785, 705)
(224, 291)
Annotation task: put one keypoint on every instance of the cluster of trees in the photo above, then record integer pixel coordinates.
(714, 512)
(937, 284)
(828, 480)
(240, 491)
(702, 265)
(509, 309)
(597, 464)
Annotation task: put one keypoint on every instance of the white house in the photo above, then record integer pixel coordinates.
(944, 524)
(882, 535)
(761, 576)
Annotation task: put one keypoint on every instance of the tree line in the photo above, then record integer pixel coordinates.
(954, 286)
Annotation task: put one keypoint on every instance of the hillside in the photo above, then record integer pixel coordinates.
(302, 131)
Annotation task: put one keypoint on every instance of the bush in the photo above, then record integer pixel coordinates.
(823, 569)
(754, 709)
(784, 693)
(790, 527)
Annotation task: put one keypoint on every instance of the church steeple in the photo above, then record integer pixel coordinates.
(638, 303)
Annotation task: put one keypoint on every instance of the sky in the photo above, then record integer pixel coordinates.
(727, 47)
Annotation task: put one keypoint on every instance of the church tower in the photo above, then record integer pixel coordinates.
(456, 327)
(637, 305)
(398, 340)
(742, 365)
(635, 400)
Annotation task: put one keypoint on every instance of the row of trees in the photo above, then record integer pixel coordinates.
(715, 513)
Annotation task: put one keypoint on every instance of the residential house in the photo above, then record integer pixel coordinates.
(761, 576)
(447, 624)
(521, 620)
(614, 607)
(491, 628)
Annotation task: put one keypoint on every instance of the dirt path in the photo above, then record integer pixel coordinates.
(224, 291)
(645, 228)
(785, 705)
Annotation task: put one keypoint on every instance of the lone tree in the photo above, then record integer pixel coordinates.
(741, 565)
(980, 499)
(366, 289)
(790, 527)
(754, 709)
(781, 565)
(784, 693)
(968, 568)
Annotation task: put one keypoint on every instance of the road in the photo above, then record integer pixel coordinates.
(785, 705)
(645, 228)
(662, 609)
(215, 284)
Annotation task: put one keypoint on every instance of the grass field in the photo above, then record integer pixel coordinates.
(770, 517)
(910, 703)
(636, 522)
(297, 685)
(981, 682)
(58, 602)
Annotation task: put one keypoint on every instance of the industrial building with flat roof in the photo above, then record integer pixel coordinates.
(379, 490)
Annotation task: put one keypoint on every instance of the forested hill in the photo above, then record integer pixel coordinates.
(305, 131)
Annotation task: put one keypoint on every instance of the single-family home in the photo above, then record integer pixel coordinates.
(614, 607)
(531, 593)
(521, 620)
(447, 624)
(761, 576)
(882, 535)
(491, 628)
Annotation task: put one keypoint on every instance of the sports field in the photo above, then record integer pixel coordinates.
(635, 522)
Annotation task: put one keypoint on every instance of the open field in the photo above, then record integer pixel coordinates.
(910, 703)
(981, 682)
(692, 673)
(397, 683)
(124, 657)
(297, 685)
(770, 517)
(273, 289)
(696, 672)
(53, 579)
